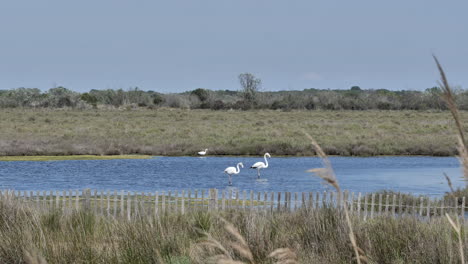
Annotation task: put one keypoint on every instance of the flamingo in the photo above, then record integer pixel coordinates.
(260, 165)
(232, 170)
(203, 152)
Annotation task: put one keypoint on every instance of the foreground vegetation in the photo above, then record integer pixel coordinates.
(185, 132)
(319, 236)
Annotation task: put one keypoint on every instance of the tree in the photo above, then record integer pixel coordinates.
(201, 93)
(250, 87)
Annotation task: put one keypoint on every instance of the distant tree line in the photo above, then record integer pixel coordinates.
(249, 97)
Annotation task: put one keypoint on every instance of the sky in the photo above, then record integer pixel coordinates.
(175, 45)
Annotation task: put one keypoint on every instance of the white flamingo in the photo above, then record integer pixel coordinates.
(203, 152)
(260, 165)
(232, 170)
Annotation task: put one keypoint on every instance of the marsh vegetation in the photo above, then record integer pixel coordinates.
(167, 131)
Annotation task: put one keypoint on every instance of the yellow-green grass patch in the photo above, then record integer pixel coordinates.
(72, 157)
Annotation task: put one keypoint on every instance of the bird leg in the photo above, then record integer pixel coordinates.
(230, 182)
(258, 173)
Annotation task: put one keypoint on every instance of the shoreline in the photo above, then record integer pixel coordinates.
(114, 157)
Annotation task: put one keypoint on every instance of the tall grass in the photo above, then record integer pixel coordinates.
(319, 236)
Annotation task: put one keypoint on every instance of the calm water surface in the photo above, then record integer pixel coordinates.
(419, 175)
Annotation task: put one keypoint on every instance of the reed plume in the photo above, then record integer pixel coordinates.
(448, 96)
(328, 175)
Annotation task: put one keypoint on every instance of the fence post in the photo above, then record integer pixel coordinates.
(351, 209)
(229, 199)
(258, 201)
(365, 206)
(94, 201)
(129, 206)
(272, 201)
(387, 202)
(244, 198)
(182, 204)
(203, 199)
(251, 200)
(400, 205)
(63, 199)
(156, 204)
(176, 201)
(393, 205)
(223, 202)
(428, 213)
(442, 207)
(380, 203)
(189, 200)
(456, 206)
(136, 210)
(359, 205)
(286, 197)
(295, 201)
(311, 201)
(116, 199)
(345, 200)
(421, 201)
(108, 203)
(304, 201)
(101, 202)
(372, 205)
(163, 202)
(51, 198)
(57, 200)
(168, 201)
(77, 201)
(279, 201)
(324, 199)
(87, 202)
(463, 209)
(122, 203)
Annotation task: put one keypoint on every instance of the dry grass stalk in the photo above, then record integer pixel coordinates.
(284, 256)
(328, 175)
(447, 95)
(219, 254)
(33, 257)
(449, 183)
(456, 226)
(210, 246)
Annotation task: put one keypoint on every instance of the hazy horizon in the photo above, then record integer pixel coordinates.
(179, 46)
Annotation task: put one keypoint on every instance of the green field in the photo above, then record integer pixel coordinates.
(184, 132)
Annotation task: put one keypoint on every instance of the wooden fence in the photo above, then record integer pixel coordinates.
(133, 204)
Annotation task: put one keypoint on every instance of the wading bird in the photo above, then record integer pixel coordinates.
(232, 170)
(203, 152)
(260, 165)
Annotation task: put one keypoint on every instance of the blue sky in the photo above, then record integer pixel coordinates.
(173, 46)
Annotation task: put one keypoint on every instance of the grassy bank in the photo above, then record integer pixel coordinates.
(71, 157)
(184, 132)
(316, 237)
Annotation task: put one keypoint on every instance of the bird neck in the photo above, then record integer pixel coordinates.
(266, 161)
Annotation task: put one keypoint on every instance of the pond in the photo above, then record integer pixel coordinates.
(418, 175)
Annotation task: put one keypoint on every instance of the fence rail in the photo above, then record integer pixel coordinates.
(133, 204)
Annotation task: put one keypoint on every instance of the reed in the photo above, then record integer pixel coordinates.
(448, 97)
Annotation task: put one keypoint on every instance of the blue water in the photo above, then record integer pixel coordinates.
(418, 175)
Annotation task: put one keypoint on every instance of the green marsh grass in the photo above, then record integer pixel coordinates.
(185, 132)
